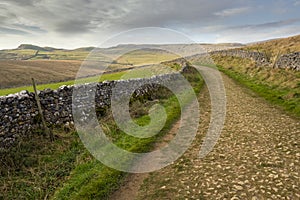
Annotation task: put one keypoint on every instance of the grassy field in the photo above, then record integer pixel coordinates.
(104, 77)
(135, 73)
(127, 54)
(63, 65)
(48, 65)
(43, 54)
(146, 56)
(64, 169)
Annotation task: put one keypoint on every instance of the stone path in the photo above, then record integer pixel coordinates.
(256, 157)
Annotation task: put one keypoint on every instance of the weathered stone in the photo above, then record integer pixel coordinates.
(286, 61)
(238, 187)
(289, 61)
(19, 113)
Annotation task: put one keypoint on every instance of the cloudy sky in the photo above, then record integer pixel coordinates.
(77, 23)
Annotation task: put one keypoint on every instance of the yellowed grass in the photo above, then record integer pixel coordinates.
(273, 47)
(273, 77)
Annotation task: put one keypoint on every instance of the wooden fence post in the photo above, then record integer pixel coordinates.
(37, 98)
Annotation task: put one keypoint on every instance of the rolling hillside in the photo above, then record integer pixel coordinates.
(276, 46)
(47, 64)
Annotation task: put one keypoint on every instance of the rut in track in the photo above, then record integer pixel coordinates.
(256, 157)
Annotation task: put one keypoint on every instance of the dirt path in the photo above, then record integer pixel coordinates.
(257, 156)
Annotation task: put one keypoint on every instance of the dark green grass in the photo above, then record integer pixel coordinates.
(35, 167)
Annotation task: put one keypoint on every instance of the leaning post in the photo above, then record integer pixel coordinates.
(37, 98)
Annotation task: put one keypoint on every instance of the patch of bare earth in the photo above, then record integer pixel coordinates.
(257, 156)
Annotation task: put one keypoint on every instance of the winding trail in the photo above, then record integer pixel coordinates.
(256, 157)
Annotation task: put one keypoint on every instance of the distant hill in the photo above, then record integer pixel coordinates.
(180, 49)
(84, 49)
(34, 47)
(285, 45)
(122, 47)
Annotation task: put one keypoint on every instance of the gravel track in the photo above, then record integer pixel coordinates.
(256, 157)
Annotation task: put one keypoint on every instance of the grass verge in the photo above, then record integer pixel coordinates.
(278, 86)
(287, 98)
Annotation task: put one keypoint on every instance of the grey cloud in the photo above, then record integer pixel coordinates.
(176, 12)
(91, 18)
(4, 30)
(232, 11)
(257, 32)
(26, 3)
(69, 16)
(250, 32)
(6, 16)
(30, 29)
(73, 26)
(297, 3)
(268, 25)
(80, 16)
(252, 35)
(262, 26)
(278, 23)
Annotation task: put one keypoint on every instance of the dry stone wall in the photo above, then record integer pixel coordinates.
(258, 57)
(19, 114)
(287, 61)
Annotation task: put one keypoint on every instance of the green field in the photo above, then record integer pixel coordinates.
(104, 77)
(146, 71)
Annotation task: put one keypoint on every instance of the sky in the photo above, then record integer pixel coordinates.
(77, 23)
